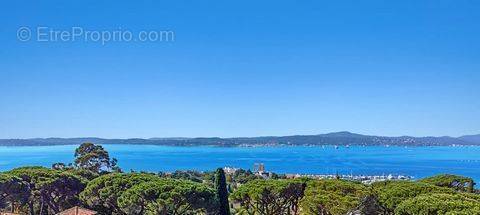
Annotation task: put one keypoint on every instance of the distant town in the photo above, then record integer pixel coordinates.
(260, 170)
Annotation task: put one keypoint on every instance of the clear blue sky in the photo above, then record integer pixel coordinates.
(244, 68)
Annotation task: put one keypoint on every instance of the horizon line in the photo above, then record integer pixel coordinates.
(233, 137)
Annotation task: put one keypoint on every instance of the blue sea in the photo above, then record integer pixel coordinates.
(373, 160)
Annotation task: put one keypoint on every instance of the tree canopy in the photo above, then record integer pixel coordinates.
(48, 190)
(269, 197)
(332, 196)
(167, 196)
(101, 193)
(392, 193)
(94, 158)
(140, 193)
(459, 183)
(440, 203)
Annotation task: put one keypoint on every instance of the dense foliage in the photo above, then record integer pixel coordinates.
(440, 203)
(459, 183)
(332, 196)
(140, 193)
(101, 193)
(269, 197)
(39, 190)
(167, 196)
(392, 193)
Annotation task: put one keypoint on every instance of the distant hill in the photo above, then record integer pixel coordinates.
(337, 138)
(471, 138)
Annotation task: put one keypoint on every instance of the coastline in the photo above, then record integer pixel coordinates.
(340, 139)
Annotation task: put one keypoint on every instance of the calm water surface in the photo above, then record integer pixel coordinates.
(414, 161)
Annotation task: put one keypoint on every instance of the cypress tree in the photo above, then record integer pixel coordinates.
(222, 193)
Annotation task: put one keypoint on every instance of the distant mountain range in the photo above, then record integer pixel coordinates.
(337, 138)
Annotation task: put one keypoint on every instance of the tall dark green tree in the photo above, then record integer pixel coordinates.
(221, 192)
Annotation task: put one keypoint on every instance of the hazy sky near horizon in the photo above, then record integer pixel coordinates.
(243, 68)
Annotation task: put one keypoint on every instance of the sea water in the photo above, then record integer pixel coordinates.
(356, 160)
